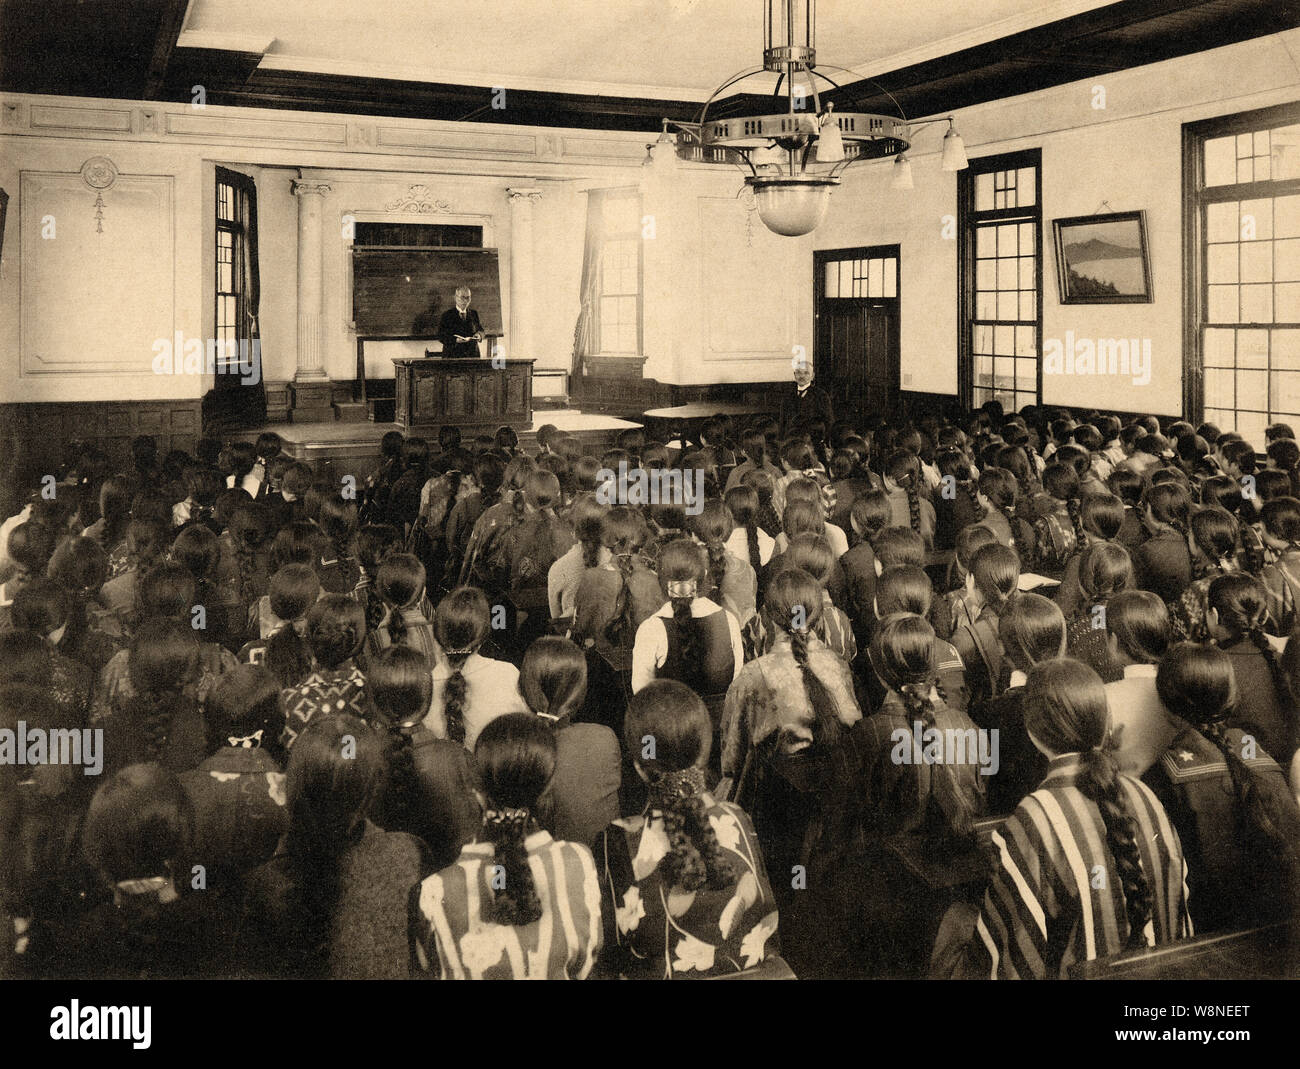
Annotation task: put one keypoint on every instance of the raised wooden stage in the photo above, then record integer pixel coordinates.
(354, 447)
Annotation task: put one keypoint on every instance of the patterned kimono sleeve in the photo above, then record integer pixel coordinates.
(735, 728)
(1011, 932)
(614, 873)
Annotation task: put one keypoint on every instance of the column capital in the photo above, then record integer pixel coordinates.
(303, 186)
(518, 195)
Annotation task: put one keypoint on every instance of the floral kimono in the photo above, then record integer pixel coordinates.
(657, 931)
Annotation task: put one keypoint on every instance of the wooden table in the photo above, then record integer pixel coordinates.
(685, 421)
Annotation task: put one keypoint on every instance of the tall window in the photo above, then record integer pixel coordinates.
(235, 307)
(618, 324)
(1001, 279)
(1242, 231)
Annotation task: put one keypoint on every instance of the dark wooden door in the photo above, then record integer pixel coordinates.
(857, 356)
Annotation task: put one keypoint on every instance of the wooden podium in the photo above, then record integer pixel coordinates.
(468, 393)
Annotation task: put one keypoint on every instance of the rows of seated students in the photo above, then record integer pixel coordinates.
(487, 714)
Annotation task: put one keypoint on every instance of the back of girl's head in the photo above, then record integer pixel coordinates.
(999, 486)
(1240, 602)
(899, 545)
(713, 524)
(1197, 683)
(903, 588)
(400, 580)
(553, 677)
(338, 519)
(298, 479)
(586, 472)
(25, 658)
(243, 455)
(672, 716)
(374, 542)
(797, 455)
(401, 685)
(489, 473)
(1240, 455)
(1088, 437)
(1102, 515)
(31, 545)
(415, 455)
(79, 564)
(623, 529)
(333, 776)
(199, 550)
(251, 525)
(794, 601)
(996, 569)
(164, 657)
(336, 628)
(542, 489)
(1126, 485)
(1031, 629)
(1169, 503)
(970, 540)
(1215, 533)
(296, 543)
(140, 824)
(294, 589)
(844, 464)
(1061, 481)
(1076, 457)
(871, 513)
(1223, 491)
(906, 648)
(1284, 452)
(904, 469)
(802, 489)
(742, 501)
(1281, 517)
(42, 606)
(167, 591)
(1270, 483)
(462, 621)
(244, 701)
(505, 438)
(681, 561)
(669, 516)
(1139, 620)
(228, 503)
(813, 554)
(1065, 706)
(1105, 569)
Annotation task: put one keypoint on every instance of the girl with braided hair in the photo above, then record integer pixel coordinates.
(1214, 553)
(956, 500)
(1163, 563)
(486, 562)
(785, 746)
(1006, 517)
(488, 916)
(333, 901)
(1281, 533)
(400, 587)
(1058, 529)
(588, 762)
(533, 545)
(904, 483)
(748, 541)
(730, 581)
(1089, 864)
(565, 575)
(336, 633)
(937, 802)
(161, 721)
(1236, 616)
(1105, 570)
(993, 579)
(147, 540)
(1102, 517)
(770, 504)
(469, 690)
(281, 625)
(428, 789)
(1016, 459)
(92, 635)
(1228, 799)
(691, 638)
(807, 490)
(249, 539)
(1138, 630)
(685, 842)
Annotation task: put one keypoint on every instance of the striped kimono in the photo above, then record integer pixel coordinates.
(451, 930)
(1055, 895)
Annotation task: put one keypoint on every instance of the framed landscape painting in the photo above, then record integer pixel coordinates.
(1103, 259)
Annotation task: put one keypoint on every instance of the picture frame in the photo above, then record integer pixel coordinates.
(1103, 259)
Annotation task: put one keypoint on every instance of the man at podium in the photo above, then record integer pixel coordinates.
(459, 329)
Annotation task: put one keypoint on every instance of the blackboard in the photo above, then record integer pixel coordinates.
(401, 292)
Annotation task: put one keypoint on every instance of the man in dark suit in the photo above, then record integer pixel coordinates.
(459, 329)
(806, 403)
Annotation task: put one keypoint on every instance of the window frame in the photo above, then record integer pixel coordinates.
(1196, 199)
(607, 237)
(969, 219)
(241, 185)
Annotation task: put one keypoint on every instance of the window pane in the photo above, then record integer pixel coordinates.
(1221, 222)
(1256, 220)
(1028, 306)
(983, 192)
(1027, 375)
(1026, 272)
(876, 278)
(1219, 347)
(1252, 424)
(1286, 260)
(1025, 187)
(1257, 304)
(1008, 273)
(1025, 341)
(982, 339)
(984, 371)
(1286, 217)
(1004, 340)
(1252, 390)
(1286, 391)
(1007, 306)
(1286, 152)
(1218, 388)
(1252, 348)
(1285, 346)
(985, 306)
(985, 242)
(831, 271)
(1257, 261)
(1287, 309)
(1008, 240)
(891, 277)
(1221, 161)
(986, 274)
(1223, 304)
(1221, 263)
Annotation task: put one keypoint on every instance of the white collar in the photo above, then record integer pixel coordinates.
(700, 606)
(1140, 671)
(1018, 679)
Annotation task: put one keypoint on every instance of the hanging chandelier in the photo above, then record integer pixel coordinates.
(793, 155)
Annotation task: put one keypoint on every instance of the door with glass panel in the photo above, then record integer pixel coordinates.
(857, 307)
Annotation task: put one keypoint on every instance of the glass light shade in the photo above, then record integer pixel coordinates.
(954, 151)
(901, 173)
(792, 206)
(830, 143)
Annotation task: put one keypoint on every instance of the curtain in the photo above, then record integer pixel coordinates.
(252, 396)
(584, 333)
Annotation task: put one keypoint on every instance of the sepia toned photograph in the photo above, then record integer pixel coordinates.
(791, 490)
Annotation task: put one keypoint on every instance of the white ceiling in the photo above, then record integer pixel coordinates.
(674, 49)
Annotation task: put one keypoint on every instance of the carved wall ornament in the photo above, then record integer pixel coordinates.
(99, 173)
(419, 199)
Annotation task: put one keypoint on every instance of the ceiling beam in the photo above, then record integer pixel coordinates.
(170, 22)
